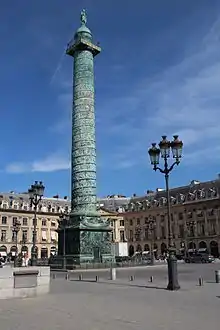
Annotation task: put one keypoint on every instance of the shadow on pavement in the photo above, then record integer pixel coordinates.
(121, 284)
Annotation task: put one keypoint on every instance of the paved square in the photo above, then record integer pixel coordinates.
(115, 305)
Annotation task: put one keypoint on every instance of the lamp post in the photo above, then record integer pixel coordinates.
(35, 195)
(190, 225)
(151, 225)
(16, 228)
(165, 146)
(62, 224)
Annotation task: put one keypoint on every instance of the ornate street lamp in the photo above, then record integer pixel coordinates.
(16, 228)
(151, 225)
(164, 150)
(63, 222)
(36, 193)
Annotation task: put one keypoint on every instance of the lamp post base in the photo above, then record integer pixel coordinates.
(64, 262)
(173, 284)
(33, 260)
(152, 260)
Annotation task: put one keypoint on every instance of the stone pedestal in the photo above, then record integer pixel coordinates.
(86, 246)
(24, 282)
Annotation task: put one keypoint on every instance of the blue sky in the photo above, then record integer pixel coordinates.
(158, 73)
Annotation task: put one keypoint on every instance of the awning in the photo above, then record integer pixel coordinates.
(191, 250)
(3, 254)
(53, 250)
(202, 250)
(53, 235)
(44, 235)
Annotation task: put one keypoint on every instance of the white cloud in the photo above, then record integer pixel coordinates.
(52, 163)
(184, 99)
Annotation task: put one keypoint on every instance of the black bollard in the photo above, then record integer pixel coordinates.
(200, 281)
(217, 276)
(80, 277)
(151, 279)
(131, 278)
(67, 276)
(96, 278)
(54, 276)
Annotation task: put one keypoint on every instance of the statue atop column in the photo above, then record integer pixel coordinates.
(83, 17)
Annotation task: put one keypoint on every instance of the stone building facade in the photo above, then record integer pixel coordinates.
(117, 224)
(16, 207)
(195, 220)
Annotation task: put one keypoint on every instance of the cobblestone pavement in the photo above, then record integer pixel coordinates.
(115, 305)
(187, 272)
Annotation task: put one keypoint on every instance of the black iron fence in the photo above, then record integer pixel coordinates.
(57, 263)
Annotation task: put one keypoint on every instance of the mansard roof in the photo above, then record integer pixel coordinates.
(179, 195)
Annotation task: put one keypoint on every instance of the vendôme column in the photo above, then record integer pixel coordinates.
(89, 234)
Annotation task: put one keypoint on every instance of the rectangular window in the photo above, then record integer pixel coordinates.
(25, 221)
(181, 231)
(131, 235)
(44, 223)
(44, 235)
(122, 235)
(122, 223)
(138, 221)
(131, 222)
(162, 217)
(4, 220)
(13, 236)
(189, 215)
(146, 234)
(180, 216)
(24, 236)
(14, 221)
(53, 236)
(25, 207)
(3, 236)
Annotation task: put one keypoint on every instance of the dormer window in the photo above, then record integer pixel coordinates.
(200, 213)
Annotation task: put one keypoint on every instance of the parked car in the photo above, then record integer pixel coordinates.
(198, 258)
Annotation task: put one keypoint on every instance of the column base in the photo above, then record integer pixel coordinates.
(88, 241)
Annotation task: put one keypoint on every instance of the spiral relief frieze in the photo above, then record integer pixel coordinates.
(84, 151)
